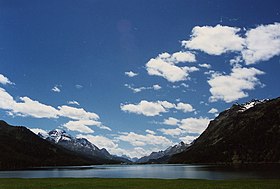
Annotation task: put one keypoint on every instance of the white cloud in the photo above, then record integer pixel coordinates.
(32, 108)
(165, 66)
(130, 74)
(262, 43)
(4, 80)
(231, 87)
(73, 102)
(188, 139)
(144, 107)
(29, 107)
(208, 66)
(100, 141)
(182, 57)
(171, 121)
(188, 125)
(150, 132)
(143, 140)
(194, 125)
(184, 107)
(76, 113)
(38, 130)
(215, 40)
(172, 132)
(259, 44)
(81, 125)
(155, 108)
(213, 111)
(156, 87)
(56, 89)
(139, 89)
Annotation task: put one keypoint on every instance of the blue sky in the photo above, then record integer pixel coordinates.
(134, 76)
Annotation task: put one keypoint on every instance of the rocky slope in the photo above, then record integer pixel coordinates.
(246, 133)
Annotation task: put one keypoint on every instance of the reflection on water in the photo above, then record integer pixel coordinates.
(148, 171)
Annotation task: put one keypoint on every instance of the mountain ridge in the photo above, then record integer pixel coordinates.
(246, 133)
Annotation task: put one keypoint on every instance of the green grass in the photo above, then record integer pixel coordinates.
(94, 183)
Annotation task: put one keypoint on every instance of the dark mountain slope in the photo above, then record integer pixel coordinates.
(21, 148)
(247, 133)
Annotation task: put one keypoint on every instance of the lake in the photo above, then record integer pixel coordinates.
(163, 171)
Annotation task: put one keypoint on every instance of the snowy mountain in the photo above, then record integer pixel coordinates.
(79, 145)
(21, 148)
(251, 104)
(156, 156)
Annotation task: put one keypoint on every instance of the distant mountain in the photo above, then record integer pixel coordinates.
(246, 133)
(163, 156)
(80, 146)
(21, 148)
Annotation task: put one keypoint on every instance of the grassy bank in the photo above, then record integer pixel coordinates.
(69, 183)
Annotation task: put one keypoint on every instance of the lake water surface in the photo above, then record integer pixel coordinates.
(145, 171)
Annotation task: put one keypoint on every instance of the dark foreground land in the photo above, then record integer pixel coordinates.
(69, 183)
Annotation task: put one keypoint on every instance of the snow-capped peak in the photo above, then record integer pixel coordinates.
(58, 135)
(251, 104)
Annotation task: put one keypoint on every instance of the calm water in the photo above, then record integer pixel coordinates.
(145, 171)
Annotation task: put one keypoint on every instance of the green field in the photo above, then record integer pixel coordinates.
(68, 183)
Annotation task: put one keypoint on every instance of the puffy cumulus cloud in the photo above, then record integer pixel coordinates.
(213, 111)
(184, 107)
(56, 89)
(188, 139)
(156, 87)
(82, 125)
(143, 140)
(171, 121)
(208, 66)
(262, 43)
(188, 125)
(28, 107)
(4, 80)
(155, 108)
(101, 142)
(76, 113)
(131, 74)
(194, 125)
(258, 44)
(172, 132)
(231, 87)
(166, 70)
(165, 66)
(73, 102)
(178, 57)
(215, 40)
(139, 89)
(144, 107)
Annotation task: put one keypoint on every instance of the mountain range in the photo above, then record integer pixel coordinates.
(80, 146)
(163, 156)
(244, 133)
(21, 148)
